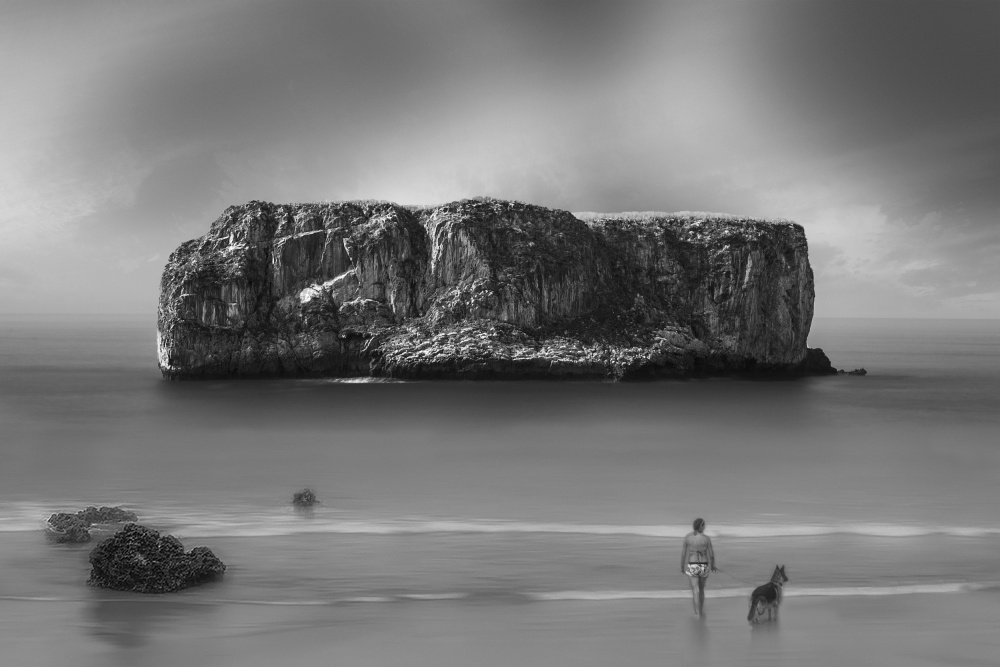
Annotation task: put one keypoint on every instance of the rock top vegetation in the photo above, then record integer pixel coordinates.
(486, 289)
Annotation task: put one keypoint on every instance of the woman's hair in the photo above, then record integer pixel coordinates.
(698, 524)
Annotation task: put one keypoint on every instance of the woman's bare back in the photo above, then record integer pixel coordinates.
(699, 548)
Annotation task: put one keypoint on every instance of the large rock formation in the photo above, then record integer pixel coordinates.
(485, 288)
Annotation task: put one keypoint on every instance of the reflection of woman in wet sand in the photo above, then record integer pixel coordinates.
(696, 560)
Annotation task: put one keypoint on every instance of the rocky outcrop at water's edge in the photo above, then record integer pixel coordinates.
(66, 527)
(140, 560)
(486, 289)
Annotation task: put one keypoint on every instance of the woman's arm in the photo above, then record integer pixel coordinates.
(711, 553)
(684, 555)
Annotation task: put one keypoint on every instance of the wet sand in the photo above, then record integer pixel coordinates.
(944, 629)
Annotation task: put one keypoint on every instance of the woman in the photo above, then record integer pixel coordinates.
(696, 560)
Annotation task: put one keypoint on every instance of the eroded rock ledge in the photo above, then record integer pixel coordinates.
(486, 289)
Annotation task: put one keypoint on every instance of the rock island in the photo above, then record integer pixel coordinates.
(486, 289)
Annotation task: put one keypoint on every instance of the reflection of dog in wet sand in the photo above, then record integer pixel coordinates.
(767, 597)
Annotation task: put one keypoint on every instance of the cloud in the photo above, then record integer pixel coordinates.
(960, 264)
(866, 260)
(47, 194)
(136, 124)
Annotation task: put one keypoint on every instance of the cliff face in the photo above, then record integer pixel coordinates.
(485, 288)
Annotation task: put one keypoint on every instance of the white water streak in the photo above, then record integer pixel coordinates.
(570, 596)
(233, 522)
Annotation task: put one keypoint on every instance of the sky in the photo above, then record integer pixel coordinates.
(127, 127)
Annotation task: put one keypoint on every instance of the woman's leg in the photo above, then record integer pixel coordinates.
(701, 595)
(696, 599)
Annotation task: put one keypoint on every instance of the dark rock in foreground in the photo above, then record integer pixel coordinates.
(65, 527)
(304, 498)
(486, 289)
(138, 559)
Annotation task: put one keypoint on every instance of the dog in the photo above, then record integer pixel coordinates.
(767, 597)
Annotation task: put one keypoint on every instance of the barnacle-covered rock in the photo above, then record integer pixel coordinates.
(139, 559)
(65, 527)
(304, 498)
(94, 515)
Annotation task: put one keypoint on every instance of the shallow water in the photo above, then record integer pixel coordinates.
(457, 506)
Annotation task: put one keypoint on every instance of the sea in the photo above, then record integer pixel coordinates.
(509, 523)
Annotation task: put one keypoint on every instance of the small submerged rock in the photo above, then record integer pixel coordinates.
(856, 371)
(66, 527)
(139, 559)
(304, 498)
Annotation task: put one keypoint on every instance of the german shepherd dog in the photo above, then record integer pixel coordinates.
(767, 597)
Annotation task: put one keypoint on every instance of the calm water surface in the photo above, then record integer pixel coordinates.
(526, 500)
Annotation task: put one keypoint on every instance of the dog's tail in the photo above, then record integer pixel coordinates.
(757, 604)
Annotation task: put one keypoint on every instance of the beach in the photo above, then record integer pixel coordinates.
(509, 523)
(899, 630)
